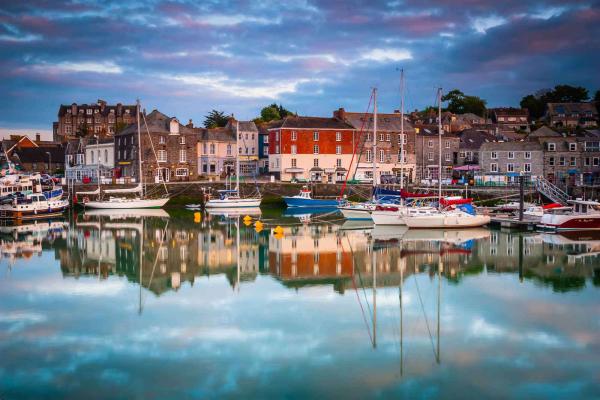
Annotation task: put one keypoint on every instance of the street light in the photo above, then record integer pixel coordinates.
(49, 161)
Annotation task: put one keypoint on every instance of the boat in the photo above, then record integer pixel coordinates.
(452, 213)
(304, 199)
(396, 215)
(121, 202)
(32, 206)
(584, 216)
(128, 213)
(23, 184)
(230, 198)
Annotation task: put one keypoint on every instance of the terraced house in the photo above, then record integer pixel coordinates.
(572, 115)
(562, 156)
(508, 160)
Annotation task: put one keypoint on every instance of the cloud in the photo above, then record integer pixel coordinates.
(106, 67)
(387, 55)
(482, 24)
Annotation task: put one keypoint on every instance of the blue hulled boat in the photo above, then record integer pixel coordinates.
(304, 199)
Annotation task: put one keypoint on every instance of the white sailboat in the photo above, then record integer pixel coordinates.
(444, 218)
(231, 198)
(119, 202)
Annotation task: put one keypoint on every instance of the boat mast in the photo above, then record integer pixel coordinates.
(374, 141)
(439, 146)
(402, 129)
(237, 163)
(139, 144)
(374, 267)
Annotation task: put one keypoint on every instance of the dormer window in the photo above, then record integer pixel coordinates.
(96, 111)
(127, 111)
(161, 140)
(572, 146)
(182, 140)
(174, 126)
(69, 111)
(89, 111)
(551, 146)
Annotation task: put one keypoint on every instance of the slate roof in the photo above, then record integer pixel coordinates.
(313, 123)
(62, 110)
(157, 122)
(38, 154)
(544, 131)
(471, 139)
(385, 122)
(510, 111)
(571, 108)
(221, 134)
(517, 145)
(264, 127)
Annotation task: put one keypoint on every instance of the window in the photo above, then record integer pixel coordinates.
(494, 155)
(448, 156)
(228, 150)
(528, 155)
(106, 156)
(338, 136)
(572, 146)
(240, 150)
(212, 148)
(368, 156)
(527, 167)
(294, 149)
(510, 167)
(266, 139)
(561, 161)
(266, 150)
(277, 136)
(551, 146)
(511, 155)
(88, 111)
(401, 156)
(252, 150)
(381, 137)
(294, 163)
(338, 162)
(461, 154)
(68, 129)
(161, 140)
(573, 162)
(162, 156)
(493, 167)
(315, 162)
(316, 149)
(447, 144)
(388, 137)
(276, 149)
(182, 140)
(430, 144)
(338, 149)
(551, 161)
(181, 172)
(294, 135)
(596, 161)
(92, 157)
(182, 156)
(430, 156)
(316, 136)
(381, 155)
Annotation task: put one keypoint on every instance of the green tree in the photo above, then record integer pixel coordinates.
(534, 104)
(273, 112)
(119, 126)
(215, 119)
(566, 94)
(459, 103)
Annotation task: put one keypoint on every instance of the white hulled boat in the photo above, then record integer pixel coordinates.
(32, 206)
(584, 216)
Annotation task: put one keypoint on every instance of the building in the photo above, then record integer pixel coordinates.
(562, 156)
(510, 119)
(247, 146)
(169, 149)
(589, 145)
(216, 152)
(428, 150)
(32, 155)
(390, 141)
(312, 149)
(87, 119)
(469, 145)
(100, 156)
(263, 145)
(571, 115)
(511, 159)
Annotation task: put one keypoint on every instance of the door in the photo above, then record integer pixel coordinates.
(163, 175)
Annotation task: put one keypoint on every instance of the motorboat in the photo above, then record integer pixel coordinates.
(32, 206)
(358, 211)
(232, 199)
(304, 199)
(584, 216)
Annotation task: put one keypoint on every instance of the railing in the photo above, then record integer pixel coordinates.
(551, 191)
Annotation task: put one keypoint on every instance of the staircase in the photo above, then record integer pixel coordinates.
(551, 191)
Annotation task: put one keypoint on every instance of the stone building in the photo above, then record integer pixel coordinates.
(570, 115)
(427, 153)
(510, 119)
(470, 143)
(562, 156)
(510, 159)
(32, 155)
(169, 149)
(589, 145)
(89, 119)
(389, 143)
(216, 152)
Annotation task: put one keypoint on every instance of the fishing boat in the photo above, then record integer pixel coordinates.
(32, 206)
(304, 199)
(584, 216)
(22, 184)
(140, 200)
(231, 198)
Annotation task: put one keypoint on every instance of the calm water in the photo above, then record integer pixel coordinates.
(108, 306)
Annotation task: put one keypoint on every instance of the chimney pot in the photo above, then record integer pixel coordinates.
(38, 137)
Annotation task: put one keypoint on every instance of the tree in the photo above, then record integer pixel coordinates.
(215, 119)
(273, 112)
(459, 103)
(534, 104)
(597, 99)
(119, 126)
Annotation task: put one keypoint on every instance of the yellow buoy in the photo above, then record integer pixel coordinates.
(197, 217)
(258, 223)
(278, 235)
(247, 223)
(247, 218)
(278, 230)
(258, 228)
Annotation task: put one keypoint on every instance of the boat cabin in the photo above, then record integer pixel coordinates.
(585, 206)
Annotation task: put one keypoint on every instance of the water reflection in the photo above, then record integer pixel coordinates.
(225, 309)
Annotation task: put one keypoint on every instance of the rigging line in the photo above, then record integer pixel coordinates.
(356, 145)
(425, 316)
(362, 310)
(153, 150)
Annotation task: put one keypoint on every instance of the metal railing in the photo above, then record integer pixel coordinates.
(552, 191)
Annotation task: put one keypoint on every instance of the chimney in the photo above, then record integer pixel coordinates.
(119, 109)
(38, 137)
(396, 111)
(190, 124)
(74, 109)
(340, 114)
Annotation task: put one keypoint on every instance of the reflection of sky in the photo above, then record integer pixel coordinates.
(499, 338)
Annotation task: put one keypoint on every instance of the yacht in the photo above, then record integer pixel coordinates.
(32, 206)
(584, 216)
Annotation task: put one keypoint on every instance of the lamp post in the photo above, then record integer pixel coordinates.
(49, 161)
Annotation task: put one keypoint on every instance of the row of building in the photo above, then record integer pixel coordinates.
(101, 140)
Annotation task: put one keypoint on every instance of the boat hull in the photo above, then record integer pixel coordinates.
(297, 201)
(38, 210)
(356, 213)
(570, 222)
(388, 218)
(446, 221)
(233, 203)
(122, 204)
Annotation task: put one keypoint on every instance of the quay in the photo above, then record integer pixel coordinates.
(507, 222)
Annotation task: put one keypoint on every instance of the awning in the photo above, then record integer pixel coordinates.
(329, 170)
(467, 168)
(294, 170)
(124, 162)
(316, 169)
(573, 171)
(512, 174)
(341, 169)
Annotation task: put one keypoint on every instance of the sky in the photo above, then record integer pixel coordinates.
(186, 57)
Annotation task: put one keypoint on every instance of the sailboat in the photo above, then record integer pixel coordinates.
(230, 198)
(118, 202)
(453, 216)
